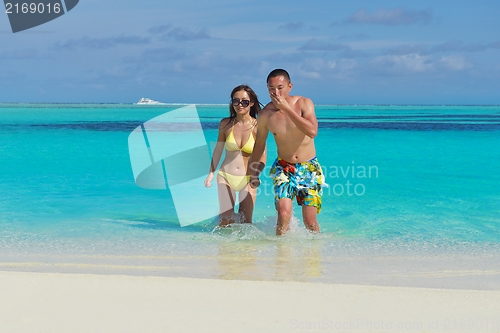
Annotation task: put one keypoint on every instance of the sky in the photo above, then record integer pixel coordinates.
(191, 51)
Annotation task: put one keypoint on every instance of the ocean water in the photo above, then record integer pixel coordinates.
(413, 199)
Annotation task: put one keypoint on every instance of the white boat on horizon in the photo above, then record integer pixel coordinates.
(148, 101)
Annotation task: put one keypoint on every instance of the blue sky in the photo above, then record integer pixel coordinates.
(190, 51)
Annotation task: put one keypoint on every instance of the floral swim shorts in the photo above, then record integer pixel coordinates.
(301, 180)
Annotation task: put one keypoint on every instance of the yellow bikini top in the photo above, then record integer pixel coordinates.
(231, 144)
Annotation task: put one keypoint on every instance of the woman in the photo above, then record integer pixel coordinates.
(237, 135)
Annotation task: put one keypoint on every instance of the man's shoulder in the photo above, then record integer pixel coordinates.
(269, 106)
(267, 110)
(304, 103)
(302, 99)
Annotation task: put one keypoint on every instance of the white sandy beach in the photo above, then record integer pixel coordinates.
(43, 302)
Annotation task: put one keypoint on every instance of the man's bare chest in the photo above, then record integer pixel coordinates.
(280, 124)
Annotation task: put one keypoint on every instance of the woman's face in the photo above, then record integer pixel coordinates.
(241, 102)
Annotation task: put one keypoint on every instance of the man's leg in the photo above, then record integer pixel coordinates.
(309, 197)
(284, 208)
(309, 214)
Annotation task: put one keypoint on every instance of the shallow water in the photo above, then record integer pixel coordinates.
(413, 199)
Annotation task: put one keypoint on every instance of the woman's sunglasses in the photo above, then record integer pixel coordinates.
(243, 102)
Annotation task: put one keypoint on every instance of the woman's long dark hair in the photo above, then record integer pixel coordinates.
(254, 110)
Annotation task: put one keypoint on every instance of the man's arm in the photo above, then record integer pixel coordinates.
(256, 164)
(306, 121)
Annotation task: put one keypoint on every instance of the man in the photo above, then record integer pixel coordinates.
(296, 171)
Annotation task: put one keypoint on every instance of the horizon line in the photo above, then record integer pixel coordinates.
(225, 104)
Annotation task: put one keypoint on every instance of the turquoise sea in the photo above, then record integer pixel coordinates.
(413, 199)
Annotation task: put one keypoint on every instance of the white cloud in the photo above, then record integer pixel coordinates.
(313, 65)
(398, 16)
(183, 34)
(103, 43)
(19, 54)
(454, 63)
(417, 63)
(407, 49)
(309, 75)
(459, 46)
(347, 64)
(292, 26)
(316, 68)
(316, 45)
(159, 29)
(407, 62)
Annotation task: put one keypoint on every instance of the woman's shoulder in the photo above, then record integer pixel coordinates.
(224, 122)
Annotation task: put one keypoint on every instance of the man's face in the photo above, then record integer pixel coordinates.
(279, 86)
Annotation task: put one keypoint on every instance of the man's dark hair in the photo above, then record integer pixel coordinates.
(279, 72)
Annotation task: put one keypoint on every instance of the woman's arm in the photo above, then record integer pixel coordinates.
(221, 139)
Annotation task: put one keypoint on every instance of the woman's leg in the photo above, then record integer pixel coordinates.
(247, 198)
(226, 202)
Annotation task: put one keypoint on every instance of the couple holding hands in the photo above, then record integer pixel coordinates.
(296, 172)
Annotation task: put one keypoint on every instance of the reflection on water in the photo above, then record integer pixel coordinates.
(269, 257)
(300, 262)
(237, 262)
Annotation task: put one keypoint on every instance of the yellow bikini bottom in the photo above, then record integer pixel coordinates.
(237, 183)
